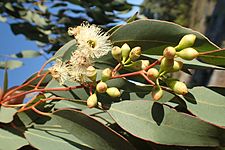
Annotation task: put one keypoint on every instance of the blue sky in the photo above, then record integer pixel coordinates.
(11, 44)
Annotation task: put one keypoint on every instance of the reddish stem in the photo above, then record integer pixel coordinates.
(117, 68)
(21, 86)
(147, 79)
(42, 78)
(127, 74)
(42, 68)
(154, 64)
(41, 90)
(209, 52)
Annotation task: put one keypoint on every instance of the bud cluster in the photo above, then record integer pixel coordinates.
(102, 87)
(128, 58)
(168, 64)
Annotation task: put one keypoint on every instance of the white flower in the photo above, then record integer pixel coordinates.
(59, 71)
(79, 62)
(92, 40)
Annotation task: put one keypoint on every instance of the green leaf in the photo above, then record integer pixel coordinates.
(90, 131)
(5, 84)
(79, 93)
(65, 51)
(206, 104)
(194, 64)
(3, 19)
(52, 137)
(11, 141)
(11, 64)
(26, 54)
(154, 35)
(7, 114)
(160, 124)
(69, 104)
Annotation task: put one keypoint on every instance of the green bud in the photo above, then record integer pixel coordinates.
(144, 64)
(177, 86)
(157, 93)
(92, 101)
(113, 92)
(186, 41)
(169, 52)
(101, 87)
(152, 74)
(91, 73)
(177, 66)
(135, 53)
(117, 53)
(125, 51)
(166, 64)
(188, 54)
(106, 74)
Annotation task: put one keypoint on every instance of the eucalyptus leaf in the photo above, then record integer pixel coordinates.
(11, 64)
(11, 141)
(159, 124)
(7, 114)
(154, 36)
(90, 131)
(206, 104)
(26, 54)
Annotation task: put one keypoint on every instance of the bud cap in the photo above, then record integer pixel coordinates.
(157, 93)
(186, 41)
(101, 87)
(169, 52)
(117, 53)
(92, 101)
(106, 74)
(113, 92)
(188, 54)
(125, 51)
(135, 53)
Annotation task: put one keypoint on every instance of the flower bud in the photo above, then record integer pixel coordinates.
(177, 66)
(117, 53)
(166, 64)
(92, 101)
(101, 87)
(125, 51)
(135, 53)
(152, 74)
(113, 92)
(169, 52)
(177, 86)
(186, 41)
(188, 54)
(137, 65)
(106, 74)
(91, 73)
(157, 93)
(144, 64)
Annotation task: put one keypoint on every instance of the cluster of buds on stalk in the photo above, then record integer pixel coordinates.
(101, 87)
(128, 57)
(169, 64)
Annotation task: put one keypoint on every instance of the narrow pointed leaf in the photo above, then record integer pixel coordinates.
(26, 54)
(11, 64)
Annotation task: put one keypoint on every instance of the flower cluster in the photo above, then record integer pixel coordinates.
(92, 43)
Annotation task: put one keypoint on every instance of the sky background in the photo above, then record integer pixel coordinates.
(11, 44)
